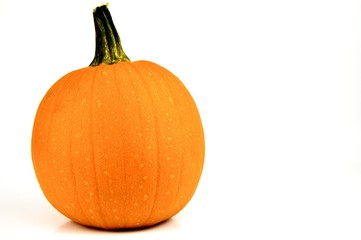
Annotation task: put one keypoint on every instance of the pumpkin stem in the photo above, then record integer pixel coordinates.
(108, 48)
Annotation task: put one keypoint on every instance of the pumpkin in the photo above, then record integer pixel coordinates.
(118, 144)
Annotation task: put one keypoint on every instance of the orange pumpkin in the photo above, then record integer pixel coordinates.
(118, 144)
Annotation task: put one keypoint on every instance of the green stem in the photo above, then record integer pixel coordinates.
(108, 48)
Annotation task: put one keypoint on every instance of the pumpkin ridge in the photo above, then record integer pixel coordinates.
(197, 164)
(160, 71)
(92, 145)
(156, 126)
(72, 159)
(181, 87)
(56, 195)
(122, 159)
(171, 76)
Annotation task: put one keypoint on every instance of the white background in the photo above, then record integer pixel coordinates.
(278, 86)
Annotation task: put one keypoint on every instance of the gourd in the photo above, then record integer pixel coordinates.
(118, 144)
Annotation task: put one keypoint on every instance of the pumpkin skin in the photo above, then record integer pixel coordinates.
(118, 145)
